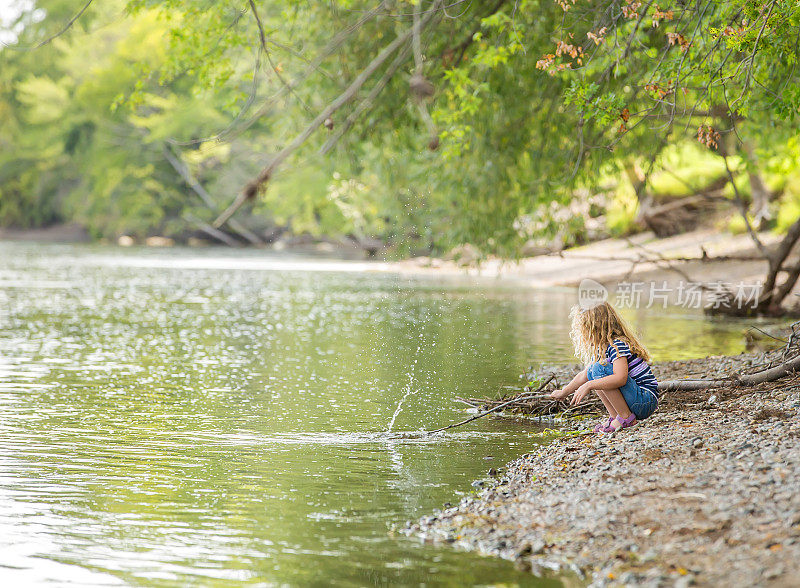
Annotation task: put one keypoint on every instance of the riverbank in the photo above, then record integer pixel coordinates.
(702, 493)
(702, 255)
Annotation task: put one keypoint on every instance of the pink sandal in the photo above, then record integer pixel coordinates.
(625, 423)
(604, 427)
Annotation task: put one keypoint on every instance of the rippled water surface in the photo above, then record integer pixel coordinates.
(211, 417)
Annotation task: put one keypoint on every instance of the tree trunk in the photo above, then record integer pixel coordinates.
(767, 375)
(758, 190)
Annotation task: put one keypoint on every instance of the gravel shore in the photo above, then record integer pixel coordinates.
(705, 492)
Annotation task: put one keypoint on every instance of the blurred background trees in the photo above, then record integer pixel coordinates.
(517, 126)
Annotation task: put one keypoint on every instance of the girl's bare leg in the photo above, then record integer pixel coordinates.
(620, 406)
(612, 412)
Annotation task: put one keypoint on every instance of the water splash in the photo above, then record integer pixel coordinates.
(409, 388)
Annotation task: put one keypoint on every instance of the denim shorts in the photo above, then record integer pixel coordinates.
(640, 401)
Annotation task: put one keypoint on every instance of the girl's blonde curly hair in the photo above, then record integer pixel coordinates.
(595, 328)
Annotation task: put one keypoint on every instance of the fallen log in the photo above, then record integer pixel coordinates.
(767, 375)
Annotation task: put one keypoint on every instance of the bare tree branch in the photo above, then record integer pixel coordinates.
(780, 255)
(211, 231)
(332, 46)
(250, 190)
(263, 38)
(49, 39)
(742, 206)
(198, 189)
(367, 103)
(420, 87)
(755, 49)
(462, 47)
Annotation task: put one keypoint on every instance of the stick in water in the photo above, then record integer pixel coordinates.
(496, 408)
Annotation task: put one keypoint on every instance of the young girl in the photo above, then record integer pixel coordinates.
(617, 370)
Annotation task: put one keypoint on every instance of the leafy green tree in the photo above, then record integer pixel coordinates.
(92, 124)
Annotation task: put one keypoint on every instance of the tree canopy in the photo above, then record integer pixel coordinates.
(424, 123)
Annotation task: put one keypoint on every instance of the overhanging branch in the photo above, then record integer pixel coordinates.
(251, 189)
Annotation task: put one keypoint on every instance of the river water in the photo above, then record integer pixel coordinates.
(207, 417)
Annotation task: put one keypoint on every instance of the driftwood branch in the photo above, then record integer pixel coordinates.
(540, 404)
(495, 408)
(767, 375)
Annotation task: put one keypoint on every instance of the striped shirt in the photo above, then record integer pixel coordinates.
(638, 369)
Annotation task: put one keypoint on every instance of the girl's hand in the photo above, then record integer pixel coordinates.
(559, 394)
(582, 391)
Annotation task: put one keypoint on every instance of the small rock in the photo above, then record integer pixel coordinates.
(466, 254)
(532, 248)
(683, 582)
(159, 242)
(534, 547)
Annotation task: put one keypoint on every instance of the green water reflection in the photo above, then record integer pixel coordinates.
(182, 417)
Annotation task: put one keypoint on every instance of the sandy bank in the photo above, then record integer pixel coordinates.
(704, 492)
(612, 260)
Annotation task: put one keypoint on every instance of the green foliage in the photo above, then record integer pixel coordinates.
(84, 155)
(684, 169)
(621, 216)
(537, 104)
(789, 203)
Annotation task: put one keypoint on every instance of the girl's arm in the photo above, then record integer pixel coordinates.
(612, 382)
(615, 380)
(576, 382)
